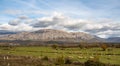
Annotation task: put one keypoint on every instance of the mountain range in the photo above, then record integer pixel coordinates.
(3, 32)
(51, 35)
(113, 39)
(54, 35)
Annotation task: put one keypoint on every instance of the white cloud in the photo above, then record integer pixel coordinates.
(14, 22)
(20, 27)
(23, 17)
(59, 21)
(108, 33)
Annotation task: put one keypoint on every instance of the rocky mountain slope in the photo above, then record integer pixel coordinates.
(52, 35)
(113, 39)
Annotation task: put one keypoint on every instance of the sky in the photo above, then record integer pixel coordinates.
(97, 17)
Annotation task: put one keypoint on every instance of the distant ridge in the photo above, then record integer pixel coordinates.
(53, 35)
(4, 32)
(113, 39)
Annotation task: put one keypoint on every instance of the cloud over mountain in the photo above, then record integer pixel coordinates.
(104, 28)
(100, 18)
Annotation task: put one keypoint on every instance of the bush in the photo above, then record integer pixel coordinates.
(60, 60)
(62, 47)
(80, 46)
(93, 63)
(68, 60)
(78, 63)
(54, 46)
(45, 58)
(104, 47)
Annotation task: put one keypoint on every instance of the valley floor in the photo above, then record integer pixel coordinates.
(110, 56)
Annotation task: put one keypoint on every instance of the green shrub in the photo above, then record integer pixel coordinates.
(62, 47)
(80, 46)
(93, 63)
(45, 58)
(60, 60)
(55, 46)
(68, 60)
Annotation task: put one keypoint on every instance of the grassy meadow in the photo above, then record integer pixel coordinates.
(111, 55)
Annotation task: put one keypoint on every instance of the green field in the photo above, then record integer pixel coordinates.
(112, 56)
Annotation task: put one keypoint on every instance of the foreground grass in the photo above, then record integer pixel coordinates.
(112, 56)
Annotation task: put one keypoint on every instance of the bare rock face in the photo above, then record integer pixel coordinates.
(51, 35)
